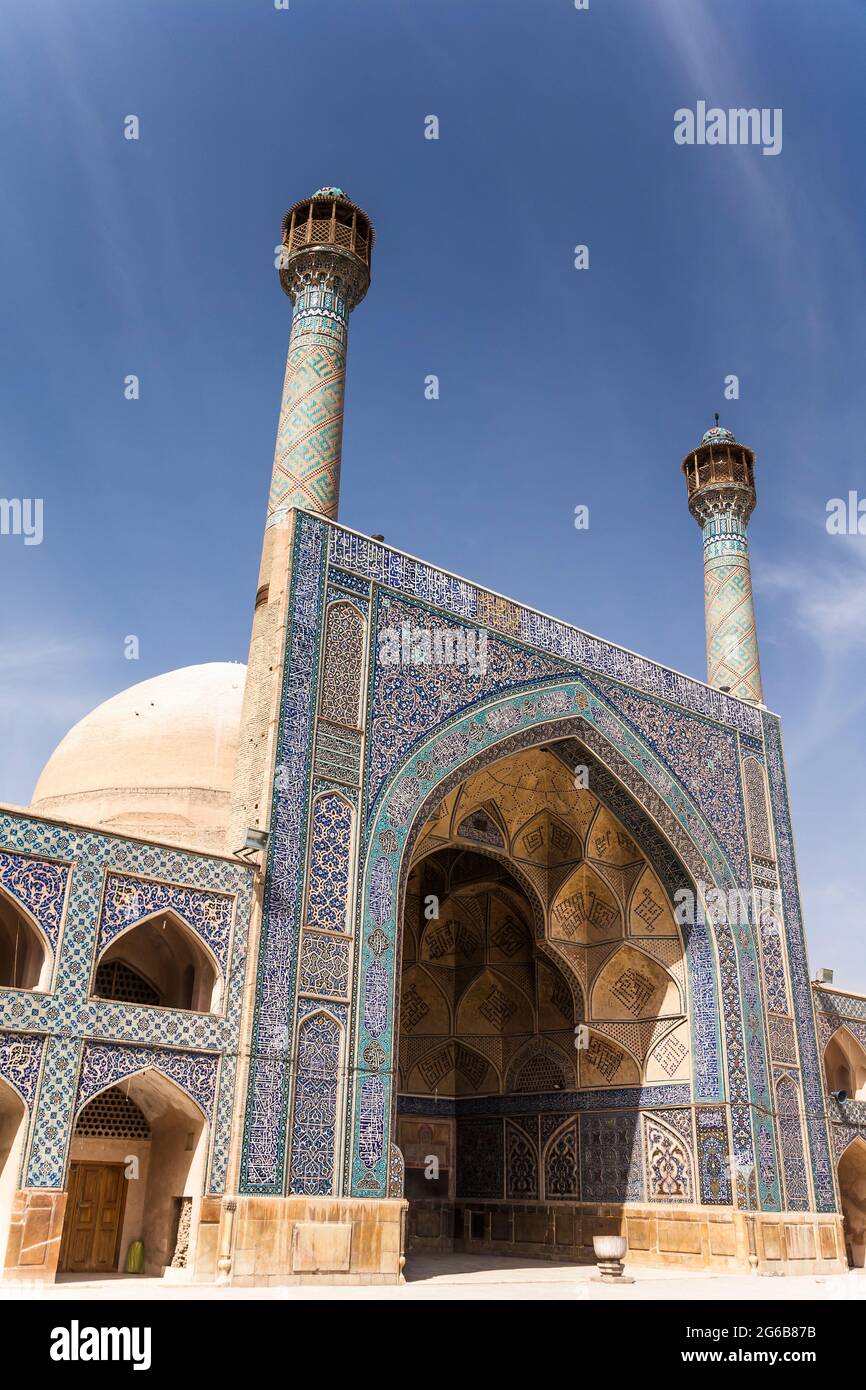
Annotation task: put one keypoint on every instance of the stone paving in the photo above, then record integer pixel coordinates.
(459, 1277)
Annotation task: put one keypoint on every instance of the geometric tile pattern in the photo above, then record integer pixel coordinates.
(343, 665)
(521, 1165)
(52, 1127)
(732, 643)
(714, 1163)
(610, 1158)
(667, 1156)
(620, 1098)
(783, 1044)
(756, 807)
(104, 1065)
(480, 1159)
(306, 469)
(561, 1172)
(324, 966)
(462, 599)
(772, 952)
(266, 1119)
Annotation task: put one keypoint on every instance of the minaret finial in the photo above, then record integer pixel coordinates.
(720, 475)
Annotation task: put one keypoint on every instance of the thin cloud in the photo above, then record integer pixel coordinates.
(46, 685)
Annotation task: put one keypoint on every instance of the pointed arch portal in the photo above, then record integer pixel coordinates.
(136, 1173)
(508, 945)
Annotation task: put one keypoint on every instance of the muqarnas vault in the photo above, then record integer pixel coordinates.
(455, 1003)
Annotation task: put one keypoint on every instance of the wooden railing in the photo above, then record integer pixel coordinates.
(728, 469)
(307, 229)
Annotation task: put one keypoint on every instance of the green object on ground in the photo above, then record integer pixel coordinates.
(135, 1257)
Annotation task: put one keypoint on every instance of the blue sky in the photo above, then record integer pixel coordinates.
(558, 387)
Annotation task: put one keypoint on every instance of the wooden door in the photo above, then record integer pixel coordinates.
(94, 1218)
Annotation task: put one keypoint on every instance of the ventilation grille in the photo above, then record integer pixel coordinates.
(117, 980)
(540, 1074)
(112, 1115)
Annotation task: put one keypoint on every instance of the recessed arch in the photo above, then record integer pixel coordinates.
(541, 1061)
(845, 1064)
(585, 910)
(852, 1191)
(545, 837)
(26, 958)
(318, 1088)
(454, 1067)
(632, 985)
(607, 1061)
(409, 795)
(424, 1005)
(135, 1181)
(163, 957)
(343, 663)
(14, 1116)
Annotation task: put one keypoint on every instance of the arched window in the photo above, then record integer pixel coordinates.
(24, 960)
(13, 1127)
(845, 1065)
(852, 1190)
(159, 961)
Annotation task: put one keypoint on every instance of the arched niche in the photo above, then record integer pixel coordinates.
(852, 1191)
(403, 815)
(13, 1132)
(585, 910)
(607, 1062)
(541, 1066)
(649, 911)
(633, 986)
(137, 1164)
(548, 839)
(845, 1064)
(25, 958)
(159, 961)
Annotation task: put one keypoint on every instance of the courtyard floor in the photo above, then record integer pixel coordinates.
(459, 1277)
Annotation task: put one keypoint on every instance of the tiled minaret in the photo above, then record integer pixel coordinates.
(325, 270)
(720, 475)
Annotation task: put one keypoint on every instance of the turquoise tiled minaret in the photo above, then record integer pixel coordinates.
(325, 270)
(720, 475)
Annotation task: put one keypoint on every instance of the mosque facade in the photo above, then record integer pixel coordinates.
(444, 925)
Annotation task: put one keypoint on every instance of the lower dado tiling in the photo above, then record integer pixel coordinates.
(686, 1237)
